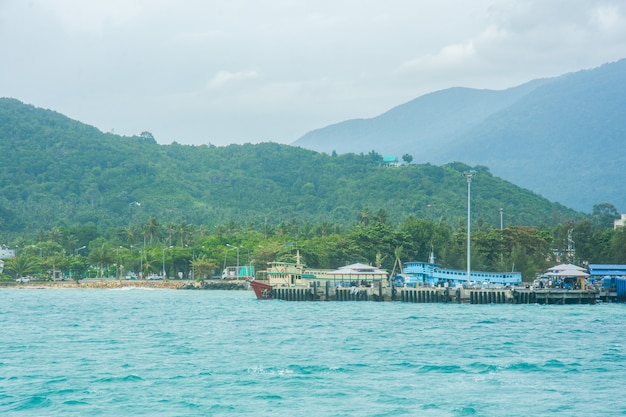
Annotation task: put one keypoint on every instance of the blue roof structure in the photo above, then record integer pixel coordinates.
(607, 269)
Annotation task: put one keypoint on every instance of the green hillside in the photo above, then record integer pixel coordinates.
(57, 171)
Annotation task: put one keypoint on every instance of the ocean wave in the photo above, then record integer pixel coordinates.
(34, 402)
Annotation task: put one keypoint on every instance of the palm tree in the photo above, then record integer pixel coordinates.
(150, 264)
(130, 235)
(22, 265)
(101, 255)
(56, 235)
(170, 228)
(152, 228)
(184, 230)
(203, 266)
(71, 241)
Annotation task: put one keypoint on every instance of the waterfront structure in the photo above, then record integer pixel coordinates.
(294, 274)
(599, 271)
(612, 277)
(427, 295)
(567, 276)
(429, 274)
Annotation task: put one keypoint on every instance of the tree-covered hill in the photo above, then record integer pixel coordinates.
(57, 171)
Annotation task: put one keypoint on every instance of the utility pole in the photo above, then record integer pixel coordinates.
(468, 176)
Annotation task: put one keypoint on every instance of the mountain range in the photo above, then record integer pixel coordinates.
(561, 137)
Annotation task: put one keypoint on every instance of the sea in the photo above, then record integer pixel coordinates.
(158, 352)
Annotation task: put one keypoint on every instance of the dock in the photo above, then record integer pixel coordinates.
(439, 295)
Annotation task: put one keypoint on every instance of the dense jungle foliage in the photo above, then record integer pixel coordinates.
(189, 251)
(59, 172)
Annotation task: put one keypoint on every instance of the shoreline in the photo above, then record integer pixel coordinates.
(111, 284)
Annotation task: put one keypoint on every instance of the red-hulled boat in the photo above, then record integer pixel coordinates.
(261, 290)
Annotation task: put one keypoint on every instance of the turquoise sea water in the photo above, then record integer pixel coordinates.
(125, 352)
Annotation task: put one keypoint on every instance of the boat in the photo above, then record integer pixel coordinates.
(295, 274)
(261, 290)
(429, 274)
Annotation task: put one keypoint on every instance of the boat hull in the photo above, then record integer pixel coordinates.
(261, 290)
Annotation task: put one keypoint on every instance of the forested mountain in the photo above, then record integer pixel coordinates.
(561, 137)
(57, 171)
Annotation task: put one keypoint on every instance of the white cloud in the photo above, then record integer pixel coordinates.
(225, 77)
(236, 70)
(450, 56)
(91, 16)
(608, 18)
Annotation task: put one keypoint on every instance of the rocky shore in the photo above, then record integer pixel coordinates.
(111, 284)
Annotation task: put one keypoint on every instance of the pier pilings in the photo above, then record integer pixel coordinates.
(421, 295)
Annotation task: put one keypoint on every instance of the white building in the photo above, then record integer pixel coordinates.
(6, 253)
(619, 222)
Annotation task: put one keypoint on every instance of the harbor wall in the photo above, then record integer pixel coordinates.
(437, 295)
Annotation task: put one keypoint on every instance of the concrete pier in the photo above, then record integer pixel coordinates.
(437, 295)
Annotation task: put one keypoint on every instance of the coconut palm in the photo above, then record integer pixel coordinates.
(152, 228)
(203, 267)
(184, 231)
(170, 228)
(130, 235)
(22, 265)
(55, 235)
(101, 256)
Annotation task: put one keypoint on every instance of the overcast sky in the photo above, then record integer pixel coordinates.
(236, 71)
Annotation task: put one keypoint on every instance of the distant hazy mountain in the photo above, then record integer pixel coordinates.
(563, 137)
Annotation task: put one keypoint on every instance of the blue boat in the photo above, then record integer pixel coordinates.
(429, 274)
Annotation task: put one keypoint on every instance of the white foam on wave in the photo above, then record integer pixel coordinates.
(269, 371)
(132, 288)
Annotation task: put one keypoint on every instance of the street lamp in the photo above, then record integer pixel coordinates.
(119, 267)
(75, 254)
(237, 270)
(164, 276)
(193, 261)
(40, 250)
(468, 175)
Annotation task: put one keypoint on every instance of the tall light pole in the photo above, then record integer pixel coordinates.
(468, 175)
(193, 261)
(237, 270)
(76, 254)
(119, 267)
(164, 276)
(501, 210)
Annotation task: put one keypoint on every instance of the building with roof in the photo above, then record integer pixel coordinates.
(391, 161)
(599, 271)
(6, 253)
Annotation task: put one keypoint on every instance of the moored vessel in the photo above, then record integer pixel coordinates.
(295, 275)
